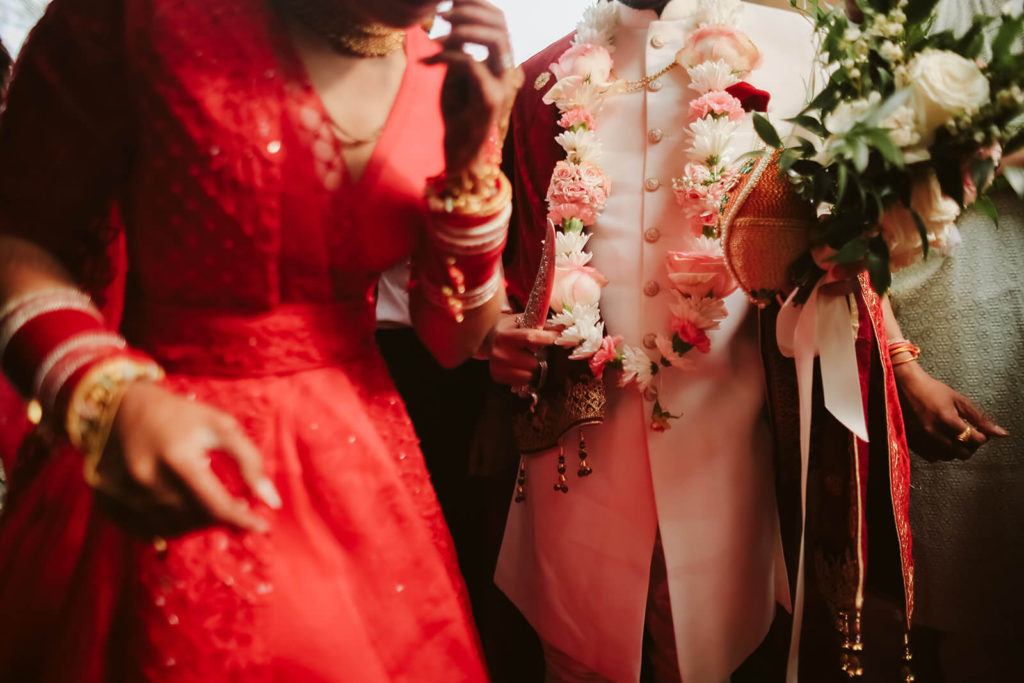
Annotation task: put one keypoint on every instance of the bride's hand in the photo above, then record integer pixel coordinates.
(477, 96)
(158, 463)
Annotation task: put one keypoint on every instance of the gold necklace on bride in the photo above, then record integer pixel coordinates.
(342, 33)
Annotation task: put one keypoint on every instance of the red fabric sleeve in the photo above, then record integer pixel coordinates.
(530, 155)
(66, 135)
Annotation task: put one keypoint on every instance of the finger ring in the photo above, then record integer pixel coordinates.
(507, 62)
(542, 373)
(965, 435)
(208, 440)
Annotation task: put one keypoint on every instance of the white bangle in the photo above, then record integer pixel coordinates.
(19, 313)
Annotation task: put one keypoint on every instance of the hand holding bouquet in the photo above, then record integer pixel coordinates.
(907, 132)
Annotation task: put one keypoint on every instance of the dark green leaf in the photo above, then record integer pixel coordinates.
(981, 173)
(1015, 177)
(860, 153)
(884, 144)
(826, 100)
(767, 131)
(986, 207)
(851, 252)
(811, 124)
(843, 177)
(877, 260)
(1008, 33)
(919, 10)
(922, 231)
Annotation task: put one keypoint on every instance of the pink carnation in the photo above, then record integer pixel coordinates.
(691, 334)
(559, 212)
(606, 354)
(716, 103)
(577, 117)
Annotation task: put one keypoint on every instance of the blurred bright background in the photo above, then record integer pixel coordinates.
(533, 23)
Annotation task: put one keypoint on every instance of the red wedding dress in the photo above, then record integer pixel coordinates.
(251, 265)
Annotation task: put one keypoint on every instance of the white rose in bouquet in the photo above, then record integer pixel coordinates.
(943, 85)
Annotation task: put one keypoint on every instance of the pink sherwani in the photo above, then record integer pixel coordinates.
(578, 564)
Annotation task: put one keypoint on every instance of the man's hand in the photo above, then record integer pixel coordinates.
(938, 417)
(512, 351)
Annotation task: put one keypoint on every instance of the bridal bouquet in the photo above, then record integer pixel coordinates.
(907, 132)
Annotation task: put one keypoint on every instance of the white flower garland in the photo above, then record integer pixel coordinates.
(716, 55)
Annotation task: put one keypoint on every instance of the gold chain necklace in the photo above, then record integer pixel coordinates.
(344, 35)
(633, 86)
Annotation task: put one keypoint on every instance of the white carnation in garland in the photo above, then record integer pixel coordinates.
(704, 312)
(712, 141)
(599, 25)
(719, 12)
(685, 363)
(589, 343)
(580, 146)
(637, 367)
(579, 317)
(567, 243)
(708, 76)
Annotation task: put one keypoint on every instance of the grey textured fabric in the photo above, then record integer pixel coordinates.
(967, 314)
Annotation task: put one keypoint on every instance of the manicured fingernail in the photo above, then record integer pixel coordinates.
(260, 526)
(267, 492)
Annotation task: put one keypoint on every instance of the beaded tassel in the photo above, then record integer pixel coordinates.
(585, 470)
(850, 660)
(560, 485)
(907, 668)
(521, 481)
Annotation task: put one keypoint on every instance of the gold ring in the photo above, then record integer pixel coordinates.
(963, 436)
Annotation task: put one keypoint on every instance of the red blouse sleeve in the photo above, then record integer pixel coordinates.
(66, 135)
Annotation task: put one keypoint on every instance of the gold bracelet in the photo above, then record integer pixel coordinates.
(95, 400)
(470, 196)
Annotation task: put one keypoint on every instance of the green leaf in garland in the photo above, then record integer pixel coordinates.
(679, 346)
(1015, 177)
(767, 131)
(986, 207)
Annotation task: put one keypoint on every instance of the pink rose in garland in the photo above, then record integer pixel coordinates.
(576, 285)
(700, 274)
(578, 184)
(591, 63)
(720, 43)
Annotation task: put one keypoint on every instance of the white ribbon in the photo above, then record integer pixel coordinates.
(825, 327)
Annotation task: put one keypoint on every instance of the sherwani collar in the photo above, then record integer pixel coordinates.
(642, 18)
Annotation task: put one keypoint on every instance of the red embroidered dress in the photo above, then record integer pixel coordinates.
(251, 263)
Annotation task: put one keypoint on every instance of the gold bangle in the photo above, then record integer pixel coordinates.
(95, 400)
(470, 196)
